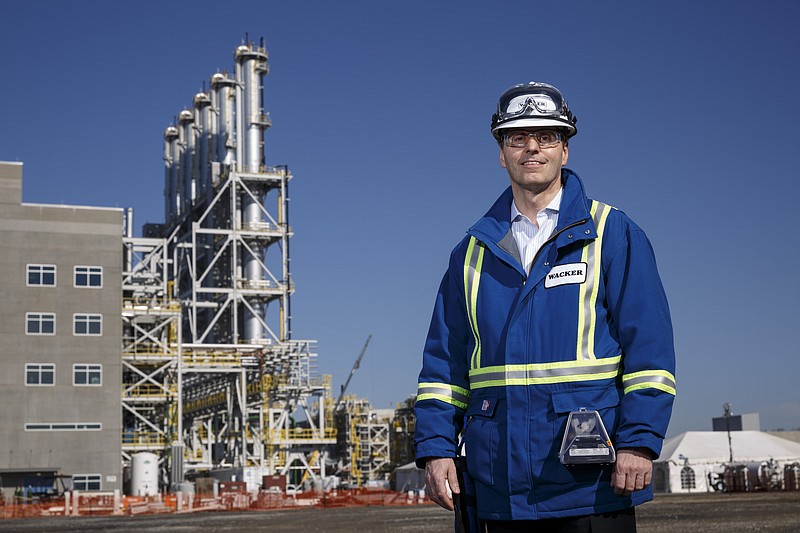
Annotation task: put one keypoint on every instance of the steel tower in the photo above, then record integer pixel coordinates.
(209, 291)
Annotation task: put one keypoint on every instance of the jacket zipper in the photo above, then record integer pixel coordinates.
(548, 241)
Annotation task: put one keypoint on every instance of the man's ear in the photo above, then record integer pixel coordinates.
(502, 159)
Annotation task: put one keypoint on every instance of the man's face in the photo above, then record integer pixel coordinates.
(532, 167)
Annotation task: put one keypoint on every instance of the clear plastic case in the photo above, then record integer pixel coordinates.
(586, 440)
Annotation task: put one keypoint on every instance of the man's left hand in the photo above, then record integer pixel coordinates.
(632, 471)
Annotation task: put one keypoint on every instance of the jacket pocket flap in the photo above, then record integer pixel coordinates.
(482, 406)
(593, 398)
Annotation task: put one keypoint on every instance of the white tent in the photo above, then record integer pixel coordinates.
(687, 460)
(409, 477)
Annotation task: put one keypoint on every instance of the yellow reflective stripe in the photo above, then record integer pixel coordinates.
(451, 394)
(587, 297)
(659, 386)
(649, 379)
(545, 373)
(473, 262)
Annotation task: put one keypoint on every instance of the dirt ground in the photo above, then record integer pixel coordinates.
(729, 513)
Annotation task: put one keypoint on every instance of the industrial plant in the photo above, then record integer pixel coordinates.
(163, 361)
(191, 321)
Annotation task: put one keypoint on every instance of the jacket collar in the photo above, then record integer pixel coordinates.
(493, 227)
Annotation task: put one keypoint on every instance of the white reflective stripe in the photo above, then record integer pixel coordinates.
(473, 262)
(587, 297)
(447, 393)
(545, 373)
(649, 379)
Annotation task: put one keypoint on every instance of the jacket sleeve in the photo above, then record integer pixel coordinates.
(443, 389)
(640, 312)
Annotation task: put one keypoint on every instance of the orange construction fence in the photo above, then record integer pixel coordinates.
(108, 504)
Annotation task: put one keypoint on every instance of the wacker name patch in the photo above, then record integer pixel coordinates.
(565, 275)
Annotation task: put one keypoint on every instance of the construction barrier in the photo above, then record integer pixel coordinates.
(81, 504)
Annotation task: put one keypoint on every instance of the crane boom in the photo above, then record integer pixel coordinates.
(352, 371)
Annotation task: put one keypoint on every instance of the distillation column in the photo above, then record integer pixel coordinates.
(171, 197)
(241, 376)
(251, 66)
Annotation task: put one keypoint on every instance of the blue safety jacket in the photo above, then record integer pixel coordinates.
(510, 354)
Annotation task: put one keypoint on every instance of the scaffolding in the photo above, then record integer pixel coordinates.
(150, 349)
(403, 427)
(364, 442)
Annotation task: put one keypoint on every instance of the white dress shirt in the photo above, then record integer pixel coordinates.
(529, 237)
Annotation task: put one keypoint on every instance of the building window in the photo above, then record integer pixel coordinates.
(687, 478)
(40, 374)
(64, 426)
(41, 275)
(40, 323)
(86, 324)
(86, 482)
(87, 374)
(89, 276)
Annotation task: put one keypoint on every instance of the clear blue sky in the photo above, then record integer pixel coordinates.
(688, 119)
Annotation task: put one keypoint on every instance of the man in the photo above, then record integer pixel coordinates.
(551, 308)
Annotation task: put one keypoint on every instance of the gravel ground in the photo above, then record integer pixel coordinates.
(730, 513)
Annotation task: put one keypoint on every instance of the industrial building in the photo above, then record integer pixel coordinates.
(60, 364)
(146, 362)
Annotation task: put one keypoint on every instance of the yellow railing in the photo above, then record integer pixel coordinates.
(149, 350)
(147, 389)
(206, 401)
(143, 438)
(299, 434)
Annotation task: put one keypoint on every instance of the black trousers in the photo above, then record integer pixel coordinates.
(617, 522)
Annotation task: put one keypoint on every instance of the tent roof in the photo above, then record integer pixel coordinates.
(408, 466)
(699, 446)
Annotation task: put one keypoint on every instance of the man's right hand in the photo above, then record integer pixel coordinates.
(438, 473)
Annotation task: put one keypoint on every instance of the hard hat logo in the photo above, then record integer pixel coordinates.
(533, 105)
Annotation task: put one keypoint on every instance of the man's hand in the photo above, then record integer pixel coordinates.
(438, 473)
(632, 471)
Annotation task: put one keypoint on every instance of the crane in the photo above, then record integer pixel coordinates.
(353, 371)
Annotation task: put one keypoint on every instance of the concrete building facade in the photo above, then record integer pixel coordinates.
(743, 422)
(60, 341)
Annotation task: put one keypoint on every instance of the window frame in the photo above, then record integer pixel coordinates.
(86, 480)
(88, 369)
(38, 371)
(43, 270)
(63, 426)
(88, 320)
(89, 271)
(29, 316)
(688, 478)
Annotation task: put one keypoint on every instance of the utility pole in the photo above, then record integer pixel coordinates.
(727, 409)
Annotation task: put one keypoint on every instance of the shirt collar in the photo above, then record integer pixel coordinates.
(553, 206)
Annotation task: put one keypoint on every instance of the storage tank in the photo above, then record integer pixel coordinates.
(144, 474)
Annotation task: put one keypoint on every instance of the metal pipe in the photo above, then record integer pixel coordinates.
(283, 220)
(202, 111)
(186, 121)
(250, 68)
(222, 87)
(170, 174)
(252, 65)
